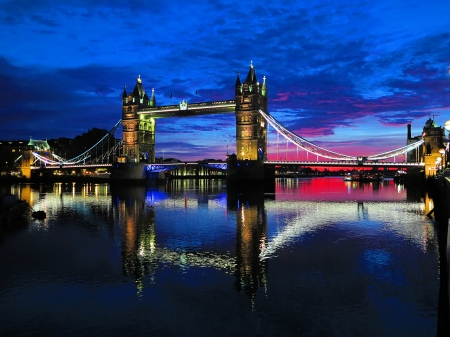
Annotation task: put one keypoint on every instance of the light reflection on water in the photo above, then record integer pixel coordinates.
(318, 257)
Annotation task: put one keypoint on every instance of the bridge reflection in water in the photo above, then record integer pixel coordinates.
(137, 209)
(260, 241)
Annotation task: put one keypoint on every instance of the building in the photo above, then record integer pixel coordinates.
(10, 152)
(431, 150)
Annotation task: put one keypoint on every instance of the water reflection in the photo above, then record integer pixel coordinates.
(304, 206)
(136, 219)
(251, 238)
(322, 247)
(136, 209)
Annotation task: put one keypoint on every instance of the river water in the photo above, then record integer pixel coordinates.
(319, 257)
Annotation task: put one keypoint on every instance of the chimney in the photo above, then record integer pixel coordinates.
(409, 131)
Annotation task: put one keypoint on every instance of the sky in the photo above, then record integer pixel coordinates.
(348, 75)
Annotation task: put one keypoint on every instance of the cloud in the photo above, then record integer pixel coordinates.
(44, 21)
(330, 67)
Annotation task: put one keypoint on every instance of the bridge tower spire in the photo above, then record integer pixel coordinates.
(251, 128)
(138, 133)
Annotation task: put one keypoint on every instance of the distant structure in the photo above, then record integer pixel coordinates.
(430, 152)
(138, 129)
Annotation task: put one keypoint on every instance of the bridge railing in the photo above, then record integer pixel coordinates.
(342, 163)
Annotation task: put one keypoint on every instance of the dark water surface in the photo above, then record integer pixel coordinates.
(319, 257)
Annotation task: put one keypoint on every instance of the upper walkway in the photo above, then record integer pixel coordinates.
(185, 109)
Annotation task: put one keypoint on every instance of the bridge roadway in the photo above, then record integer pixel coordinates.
(344, 163)
(76, 166)
(161, 167)
(223, 165)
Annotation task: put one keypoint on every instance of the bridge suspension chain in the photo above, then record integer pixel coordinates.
(106, 154)
(303, 143)
(88, 154)
(317, 150)
(396, 152)
(45, 160)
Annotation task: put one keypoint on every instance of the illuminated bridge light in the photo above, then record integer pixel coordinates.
(217, 166)
(162, 167)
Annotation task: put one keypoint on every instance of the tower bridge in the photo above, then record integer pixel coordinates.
(140, 112)
(249, 161)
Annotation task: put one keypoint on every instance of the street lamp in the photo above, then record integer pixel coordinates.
(446, 140)
(447, 125)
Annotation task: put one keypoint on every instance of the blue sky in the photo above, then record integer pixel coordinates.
(347, 75)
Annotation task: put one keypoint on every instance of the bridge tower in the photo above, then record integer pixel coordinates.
(251, 128)
(247, 164)
(40, 147)
(25, 163)
(433, 137)
(138, 133)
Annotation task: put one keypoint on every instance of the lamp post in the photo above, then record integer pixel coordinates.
(447, 141)
(438, 164)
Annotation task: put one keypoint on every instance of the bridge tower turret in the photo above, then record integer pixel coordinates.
(138, 133)
(251, 128)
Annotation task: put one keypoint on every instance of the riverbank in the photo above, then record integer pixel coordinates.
(11, 208)
(439, 190)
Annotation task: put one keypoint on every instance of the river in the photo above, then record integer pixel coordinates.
(319, 257)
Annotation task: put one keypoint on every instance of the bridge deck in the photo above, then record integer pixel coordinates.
(223, 165)
(344, 163)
